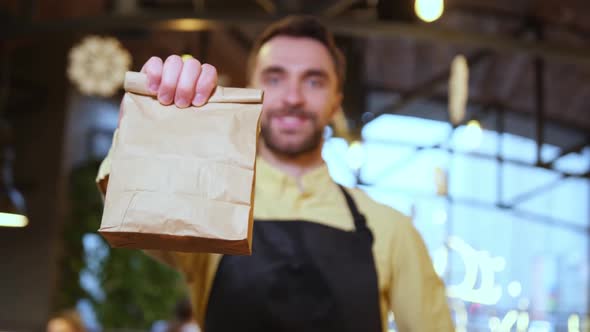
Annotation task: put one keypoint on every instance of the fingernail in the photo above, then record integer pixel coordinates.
(200, 99)
(153, 87)
(165, 98)
(181, 102)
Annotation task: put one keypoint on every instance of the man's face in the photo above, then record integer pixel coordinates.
(301, 93)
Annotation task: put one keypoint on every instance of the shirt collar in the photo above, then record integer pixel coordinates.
(273, 179)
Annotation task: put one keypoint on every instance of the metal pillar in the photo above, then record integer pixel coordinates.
(539, 65)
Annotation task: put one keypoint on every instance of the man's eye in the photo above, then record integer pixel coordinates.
(273, 80)
(315, 83)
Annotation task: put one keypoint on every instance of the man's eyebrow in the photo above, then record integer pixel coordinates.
(273, 70)
(313, 72)
(316, 72)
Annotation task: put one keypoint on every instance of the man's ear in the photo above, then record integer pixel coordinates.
(337, 106)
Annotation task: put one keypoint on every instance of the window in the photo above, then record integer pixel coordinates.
(510, 239)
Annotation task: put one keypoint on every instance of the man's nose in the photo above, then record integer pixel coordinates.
(293, 96)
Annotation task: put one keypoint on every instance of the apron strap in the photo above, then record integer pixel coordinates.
(359, 219)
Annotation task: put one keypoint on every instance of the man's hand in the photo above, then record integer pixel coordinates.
(183, 83)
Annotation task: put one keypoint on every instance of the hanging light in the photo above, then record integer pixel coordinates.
(98, 64)
(441, 179)
(429, 10)
(473, 134)
(458, 89)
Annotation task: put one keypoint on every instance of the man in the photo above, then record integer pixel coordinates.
(324, 258)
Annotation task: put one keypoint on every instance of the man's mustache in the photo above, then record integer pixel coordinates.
(298, 112)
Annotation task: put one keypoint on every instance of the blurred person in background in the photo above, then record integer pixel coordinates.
(66, 321)
(325, 258)
(183, 318)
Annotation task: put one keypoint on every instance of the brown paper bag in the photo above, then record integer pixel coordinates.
(183, 179)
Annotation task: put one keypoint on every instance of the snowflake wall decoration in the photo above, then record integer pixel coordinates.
(98, 65)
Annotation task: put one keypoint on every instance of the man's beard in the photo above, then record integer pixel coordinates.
(272, 140)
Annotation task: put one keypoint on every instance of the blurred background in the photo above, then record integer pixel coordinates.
(500, 193)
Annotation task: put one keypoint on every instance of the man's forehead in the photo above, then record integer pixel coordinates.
(295, 52)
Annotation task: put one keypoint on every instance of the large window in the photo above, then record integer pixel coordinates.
(510, 239)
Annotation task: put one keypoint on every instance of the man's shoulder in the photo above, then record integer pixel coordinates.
(378, 215)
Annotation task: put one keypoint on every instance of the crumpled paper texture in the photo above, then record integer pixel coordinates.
(182, 179)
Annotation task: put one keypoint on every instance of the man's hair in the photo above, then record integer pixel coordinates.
(301, 27)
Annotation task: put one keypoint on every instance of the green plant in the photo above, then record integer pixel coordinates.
(134, 290)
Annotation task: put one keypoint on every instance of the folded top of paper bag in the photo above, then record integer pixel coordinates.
(183, 179)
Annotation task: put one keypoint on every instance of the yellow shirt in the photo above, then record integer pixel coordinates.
(408, 285)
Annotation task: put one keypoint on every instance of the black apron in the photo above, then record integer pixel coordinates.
(302, 276)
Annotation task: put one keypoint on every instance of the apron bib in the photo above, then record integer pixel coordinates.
(301, 276)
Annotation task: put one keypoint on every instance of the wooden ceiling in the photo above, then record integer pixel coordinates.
(399, 64)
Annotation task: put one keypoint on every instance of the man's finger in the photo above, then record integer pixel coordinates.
(185, 89)
(153, 69)
(170, 74)
(205, 84)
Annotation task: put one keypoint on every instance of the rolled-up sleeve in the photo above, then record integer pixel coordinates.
(418, 296)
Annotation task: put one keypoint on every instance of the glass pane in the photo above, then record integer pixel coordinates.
(525, 149)
(416, 174)
(471, 138)
(473, 178)
(406, 129)
(518, 180)
(567, 200)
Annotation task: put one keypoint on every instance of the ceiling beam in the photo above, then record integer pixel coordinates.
(428, 88)
(268, 5)
(575, 148)
(240, 38)
(337, 8)
(358, 28)
(479, 103)
(501, 14)
(479, 155)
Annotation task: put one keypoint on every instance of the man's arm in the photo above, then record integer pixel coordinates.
(418, 296)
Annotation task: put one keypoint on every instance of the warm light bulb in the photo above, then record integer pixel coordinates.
(429, 10)
(458, 89)
(13, 220)
(98, 65)
(474, 125)
(472, 135)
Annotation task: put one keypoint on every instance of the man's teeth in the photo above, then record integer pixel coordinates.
(291, 119)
